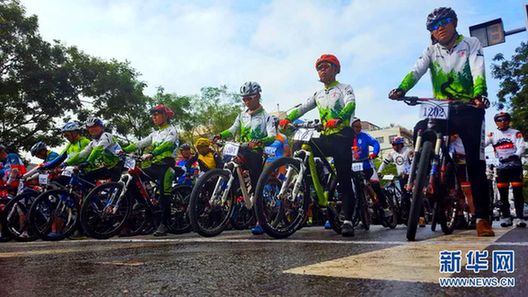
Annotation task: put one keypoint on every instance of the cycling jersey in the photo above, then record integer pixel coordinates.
(360, 148)
(101, 152)
(12, 161)
(69, 154)
(162, 141)
(50, 156)
(278, 147)
(508, 145)
(455, 73)
(193, 169)
(256, 125)
(402, 159)
(335, 101)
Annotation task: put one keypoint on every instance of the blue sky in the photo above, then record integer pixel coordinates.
(185, 45)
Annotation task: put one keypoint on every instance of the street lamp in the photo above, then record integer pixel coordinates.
(492, 32)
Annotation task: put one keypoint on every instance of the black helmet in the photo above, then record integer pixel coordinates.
(37, 147)
(185, 146)
(438, 14)
(503, 115)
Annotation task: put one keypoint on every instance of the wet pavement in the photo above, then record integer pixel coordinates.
(314, 262)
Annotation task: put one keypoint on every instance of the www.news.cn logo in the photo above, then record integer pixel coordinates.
(477, 261)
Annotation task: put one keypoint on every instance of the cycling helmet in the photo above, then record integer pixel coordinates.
(330, 59)
(202, 141)
(397, 140)
(355, 120)
(250, 88)
(502, 115)
(93, 121)
(438, 14)
(185, 146)
(162, 109)
(37, 147)
(70, 127)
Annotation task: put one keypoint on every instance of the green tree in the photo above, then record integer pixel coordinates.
(513, 92)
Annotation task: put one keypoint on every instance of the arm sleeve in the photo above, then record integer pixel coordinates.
(232, 130)
(143, 143)
(419, 69)
(520, 144)
(271, 131)
(350, 104)
(476, 64)
(385, 162)
(168, 144)
(299, 111)
(375, 145)
(55, 161)
(489, 139)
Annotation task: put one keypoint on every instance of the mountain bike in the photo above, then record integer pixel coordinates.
(282, 196)
(432, 173)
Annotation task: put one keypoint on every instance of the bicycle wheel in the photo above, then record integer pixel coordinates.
(209, 210)
(364, 208)
(54, 215)
(16, 216)
(422, 172)
(335, 214)
(5, 235)
(392, 218)
(280, 217)
(105, 211)
(179, 218)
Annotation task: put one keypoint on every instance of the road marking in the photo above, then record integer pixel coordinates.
(129, 263)
(78, 249)
(411, 262)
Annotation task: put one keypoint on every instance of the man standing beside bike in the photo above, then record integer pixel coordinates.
(162, 142)
(336, 103)
(255, 127)
(508, 145)
(457, 69)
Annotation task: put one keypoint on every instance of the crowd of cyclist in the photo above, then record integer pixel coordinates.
(457, 68)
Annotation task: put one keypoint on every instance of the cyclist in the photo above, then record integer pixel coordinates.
(100, 154)
(255, 127)
(508, 145)
(207, 158)
(163, 142)
(360, 150)
(280, 149)
(401, 156)
(192, 170)
(76, 143)
(41, 151)
(457, 69)
(11, 168)
(336, 104)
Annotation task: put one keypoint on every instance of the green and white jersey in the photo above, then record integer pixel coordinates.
(256, 125)
(456, 73)
(101, 152)
(163, 142)
(335, 101)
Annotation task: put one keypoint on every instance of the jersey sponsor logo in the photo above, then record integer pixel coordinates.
(518, 135)
(461, 53)
(504, 144)
(398, 160)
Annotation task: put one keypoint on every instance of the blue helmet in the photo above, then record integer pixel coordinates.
(438, 14)
(71, 126)
(397, 140)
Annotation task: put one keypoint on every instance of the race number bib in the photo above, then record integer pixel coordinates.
(130, 163)
(43, 179)
(357, 167)
(437, 110)
(67, 171)
(270, 151)
(388, 177)
(231, 149)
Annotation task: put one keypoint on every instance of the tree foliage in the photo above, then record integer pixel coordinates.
(513, 92)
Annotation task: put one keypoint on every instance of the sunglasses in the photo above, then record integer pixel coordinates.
(323, 66)
(501, 120)
(247, 98)
(441, 23)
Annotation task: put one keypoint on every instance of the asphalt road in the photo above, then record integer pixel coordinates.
(313, 262)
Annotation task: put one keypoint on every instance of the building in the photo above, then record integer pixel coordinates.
(385, 135)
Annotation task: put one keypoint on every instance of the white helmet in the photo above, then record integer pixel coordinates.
(250, 88)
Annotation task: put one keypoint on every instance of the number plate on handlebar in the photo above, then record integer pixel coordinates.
(270, 151)
(434, 110)
(388, 177)
(67, 171)
(357, 167)
(43, 179)
(130, 163)
(231, 149)
(303, 134)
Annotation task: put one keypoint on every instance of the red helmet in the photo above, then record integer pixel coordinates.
(163, 109)
(330, 59)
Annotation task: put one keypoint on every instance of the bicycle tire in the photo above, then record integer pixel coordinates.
(270, 211)
(12, 218)
(422, 172)
(179, 218)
